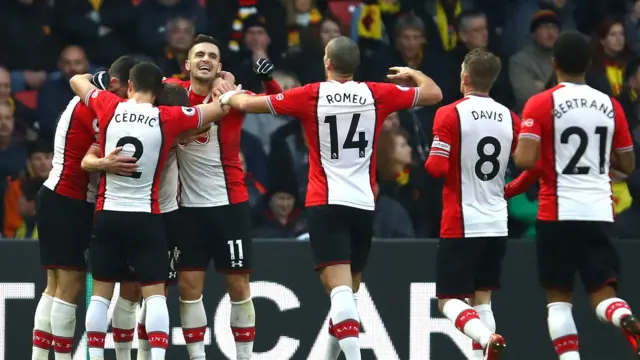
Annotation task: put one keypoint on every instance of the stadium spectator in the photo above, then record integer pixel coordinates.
(24, 116)
(391, 221)
(309, 65)
(254, 187)
(610, 55)
(263, 125)
(279, 215)
(403, 181)
(13, 154)
(255, 156)
(530, 69)
(99, 27)
(303, 20)
(152, 18)
(29, 46)
(19, 199)
(473, 33)
(56, 93)
(289, 156)
(180, 33)
(256, 45)
(444, 13)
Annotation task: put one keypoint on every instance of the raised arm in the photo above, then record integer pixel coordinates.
(429, 92)
(81, 85)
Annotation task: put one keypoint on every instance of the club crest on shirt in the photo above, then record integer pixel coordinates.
(95, 125)
(280, 96)
(527, 122)
(95, 93)
(189, 111)
(402, 88)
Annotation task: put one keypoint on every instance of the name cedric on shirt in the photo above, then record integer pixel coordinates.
(135, 118)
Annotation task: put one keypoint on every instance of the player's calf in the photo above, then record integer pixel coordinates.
(193, 316)
(63, 311)
(243, 314)
(42, 334)
(96, 321)
(481, 302)
(123, 321)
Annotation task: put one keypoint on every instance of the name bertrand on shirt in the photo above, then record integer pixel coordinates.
(581, 103)
(135, 118)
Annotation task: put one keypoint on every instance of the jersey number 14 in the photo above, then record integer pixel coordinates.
(360, 144)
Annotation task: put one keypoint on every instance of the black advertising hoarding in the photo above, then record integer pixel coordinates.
(399, 315)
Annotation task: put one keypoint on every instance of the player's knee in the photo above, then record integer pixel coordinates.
(130, 291)
(69, 285)
(555, 295)
(336, 275)
(102, 289)
(152, 290)
(190, 284)
(52, 283)
(238, 286)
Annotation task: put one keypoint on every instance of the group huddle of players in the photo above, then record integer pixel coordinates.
(170, 183)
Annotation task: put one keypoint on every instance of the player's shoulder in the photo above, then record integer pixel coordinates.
(545, 98)
(451, 108)
(184, 83)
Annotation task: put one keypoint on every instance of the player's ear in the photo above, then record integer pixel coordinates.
(130, 86)
(219, 68)
(187, 65)
(114, 83)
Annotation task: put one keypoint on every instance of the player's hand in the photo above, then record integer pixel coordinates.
(400, 73)
(101, 80)
(223, 87)
(263, 68)
(117, 164)
(226, 97)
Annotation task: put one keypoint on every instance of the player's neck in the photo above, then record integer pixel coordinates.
(471, 92)
(201, 88)
(338, 78)
(564, 78)
(142, 98)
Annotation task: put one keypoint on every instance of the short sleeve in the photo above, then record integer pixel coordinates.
(103, 103)
(293, 102)
(622, 140)
(177, 119)
(535, 116)
(391, 98)
(444, 123)
(516, 123)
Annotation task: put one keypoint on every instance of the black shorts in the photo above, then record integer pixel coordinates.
(340, 235)
(126, 243)
(64, 228)
(467, 265)
(221, 233)
(565, 248)
(174, 231)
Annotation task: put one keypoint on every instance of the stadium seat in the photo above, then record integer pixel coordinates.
(27, 97)
(343, 10)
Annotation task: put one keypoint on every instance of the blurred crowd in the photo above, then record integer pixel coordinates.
(45, 42)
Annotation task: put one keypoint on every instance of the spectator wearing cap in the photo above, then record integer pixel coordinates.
(180, 33)
(530, 69)
(256, 44)
(610, 56)
(20, 197)
(279, 215)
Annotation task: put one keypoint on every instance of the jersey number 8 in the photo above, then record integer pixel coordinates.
(491, 158)
(361, 144)
(137, 152)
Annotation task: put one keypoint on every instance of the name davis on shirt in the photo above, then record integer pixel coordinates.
(487, 115)
(581, 103)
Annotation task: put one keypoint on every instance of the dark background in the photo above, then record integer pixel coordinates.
(394, 265)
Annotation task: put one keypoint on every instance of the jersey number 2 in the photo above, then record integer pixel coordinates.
(137, 152)
(571, 168)
(491, 158)
(361, 144)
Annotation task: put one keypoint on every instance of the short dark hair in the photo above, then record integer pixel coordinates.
(147, 77)
(461, 19)
(571, 53)
(173, 95)
(204, 39)
(344, 55)
(121, 67)
(483, 68)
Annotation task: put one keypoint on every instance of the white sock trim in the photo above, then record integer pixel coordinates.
(126, 304)
(241, 302)
(190, 301)
(483, 307)
(60, 301)
(156, 296)
(101, 299)
(339, 289)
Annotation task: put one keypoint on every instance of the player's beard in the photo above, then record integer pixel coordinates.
(208, 79)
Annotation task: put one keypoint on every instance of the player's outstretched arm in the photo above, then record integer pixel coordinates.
(527, 152)
(520, 184)
(429, 92)
(112, 163)
(263, 68)
(81, 85)
(255, 104)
